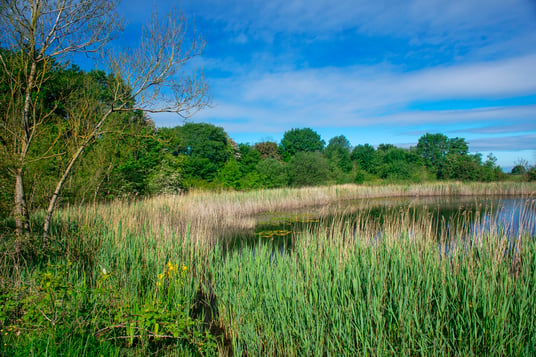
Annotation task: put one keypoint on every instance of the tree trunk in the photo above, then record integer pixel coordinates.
(66, 173)
(22, 219)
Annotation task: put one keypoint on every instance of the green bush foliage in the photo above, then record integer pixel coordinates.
(308, 169)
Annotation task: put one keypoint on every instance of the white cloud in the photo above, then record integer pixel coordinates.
(504, 143)
(367, 96)
(370, 90)
(433, 19)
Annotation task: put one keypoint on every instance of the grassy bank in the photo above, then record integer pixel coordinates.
(153, 277)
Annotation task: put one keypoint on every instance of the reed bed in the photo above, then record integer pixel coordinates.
(209, 217)
(390, 295)
(155, 276)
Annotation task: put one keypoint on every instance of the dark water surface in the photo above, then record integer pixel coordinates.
(442, 217)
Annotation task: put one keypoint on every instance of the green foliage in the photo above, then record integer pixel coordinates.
(518, 170)
(359, 176)
(230, 175)
(308, 169)
(365, 156)
(105, 169)
(205, 141)
(205, 147)
(531, 174)
(167, 177)
(200, 168)
(338, 153)
(251, 181)
(6, 194)
(248, 159)
(58, 311)
(458, 167)
(272, 173)
(434, 149)
(389, 162)
(490, 171)
(300, 140)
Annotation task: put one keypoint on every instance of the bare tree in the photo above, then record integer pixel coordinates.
(35, 32)
(151, 78)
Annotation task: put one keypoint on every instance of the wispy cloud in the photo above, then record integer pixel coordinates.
(366, 95)
(381, 16)
(500, 128)
(505, 143)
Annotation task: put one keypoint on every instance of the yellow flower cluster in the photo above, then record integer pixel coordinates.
(169, 272)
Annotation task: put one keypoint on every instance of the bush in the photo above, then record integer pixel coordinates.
(308, 169)
(272, 173)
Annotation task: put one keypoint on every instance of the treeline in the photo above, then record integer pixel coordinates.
(201, 155)
(130, 157)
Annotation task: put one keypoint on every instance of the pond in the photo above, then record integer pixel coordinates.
(444, 218)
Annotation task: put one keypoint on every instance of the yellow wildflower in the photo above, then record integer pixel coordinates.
(170, 266)
(184, 268)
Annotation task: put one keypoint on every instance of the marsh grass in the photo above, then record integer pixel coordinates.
(207, 218)
(390, 295)
(113, 282)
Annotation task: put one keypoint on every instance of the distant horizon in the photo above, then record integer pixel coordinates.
(382, 72)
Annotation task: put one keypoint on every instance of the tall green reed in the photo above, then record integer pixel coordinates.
(339, 296)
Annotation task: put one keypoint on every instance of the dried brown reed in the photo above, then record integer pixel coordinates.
(205, 217)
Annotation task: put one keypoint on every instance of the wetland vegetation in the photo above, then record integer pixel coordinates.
(118, 237)
(164, 275)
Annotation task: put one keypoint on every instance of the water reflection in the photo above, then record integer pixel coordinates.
(443, 218)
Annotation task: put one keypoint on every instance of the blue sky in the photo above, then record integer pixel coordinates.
(381, 71)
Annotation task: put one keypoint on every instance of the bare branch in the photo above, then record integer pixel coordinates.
(155, 69)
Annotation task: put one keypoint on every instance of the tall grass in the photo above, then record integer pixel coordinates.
(154, 276)
(379, 296)
(209, 217)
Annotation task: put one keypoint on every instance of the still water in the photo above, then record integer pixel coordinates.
(441, 217)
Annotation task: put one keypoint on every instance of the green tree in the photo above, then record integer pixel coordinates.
(460, 167)
(146, 79)
(308, 169)
(34, 33)
(230, 175)
(206, 148)
(206, 141)
(248, 158)
(521, 166)
(365, 156)
(167, 177)
(300, 140)
(531, 173)
(434, 149)
(338, 153)
(490, 171)
(518, 170)
(398, 164)
(272, 173)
